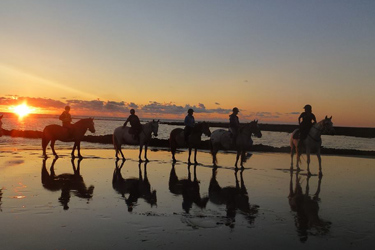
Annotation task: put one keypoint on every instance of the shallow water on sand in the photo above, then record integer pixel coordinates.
(197, 207)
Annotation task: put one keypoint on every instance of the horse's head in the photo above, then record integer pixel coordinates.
(254, 128)
(205, 129)
(155, 127)
(90, 124)
(328, 126)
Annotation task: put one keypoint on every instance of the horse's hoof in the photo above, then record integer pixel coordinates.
(147, 160)
(140, 160)
(320, 174)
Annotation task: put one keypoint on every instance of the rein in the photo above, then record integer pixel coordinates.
(320, 130)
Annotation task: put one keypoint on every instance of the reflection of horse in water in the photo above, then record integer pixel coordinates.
(189, 189)
(222, 139)
(136, 187)
(307, 218)
(1, 126)
(312, 143)
(177, 139)
(234, 198)
(122, 136)
(67, 183)
(54, 132)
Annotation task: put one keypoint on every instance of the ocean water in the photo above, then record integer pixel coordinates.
(105, 126)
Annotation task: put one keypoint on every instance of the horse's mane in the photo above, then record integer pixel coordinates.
(83, 121)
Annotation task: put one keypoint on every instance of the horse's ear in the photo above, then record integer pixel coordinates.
(330, 117)
(158, 121)
(153, 120)
(326, 118)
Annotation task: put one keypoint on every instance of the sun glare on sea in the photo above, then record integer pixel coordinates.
(22, 110)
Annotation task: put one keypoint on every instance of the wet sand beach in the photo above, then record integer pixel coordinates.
(95, 204)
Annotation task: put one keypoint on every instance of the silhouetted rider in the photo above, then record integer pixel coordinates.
(189, 124)
(305, 121)
(135, 124)
(234, 124)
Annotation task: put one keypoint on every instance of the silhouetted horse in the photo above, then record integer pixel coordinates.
(222, 139)
(307, 218)
(1, 126)
(177, 139)
(234, 198)
(67, 183)
(54, 132)
(122, 136)
(136, 187)
(189, 189)
(312, 143)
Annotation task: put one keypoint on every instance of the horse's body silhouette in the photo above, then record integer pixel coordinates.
(66, 182)
(221, 139)
(188, 188)
(177, 139)
(312, 143)
(1, 126)
(136, 187)
(233, 197)
(54, 132)
(122, 136)
(307, 218)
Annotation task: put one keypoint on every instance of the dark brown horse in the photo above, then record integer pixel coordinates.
(177, 139)
(66, 182)
(54, 132)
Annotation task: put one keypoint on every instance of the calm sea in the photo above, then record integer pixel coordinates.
(106, 126)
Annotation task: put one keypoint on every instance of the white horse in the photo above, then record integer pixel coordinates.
(221, 139)
(312, 143)
(121, 136)
(1, 126)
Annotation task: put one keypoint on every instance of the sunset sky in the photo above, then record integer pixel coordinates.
(268, 58)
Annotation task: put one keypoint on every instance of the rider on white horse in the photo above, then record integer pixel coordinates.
(234, 124)
(135, 124)
(308, 119)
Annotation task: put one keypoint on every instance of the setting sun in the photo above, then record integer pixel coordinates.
(22, 110)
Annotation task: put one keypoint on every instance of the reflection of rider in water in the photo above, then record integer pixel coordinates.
(135, 124)
(189, 124)
(308, 119)
(66, 119)
(234, 123)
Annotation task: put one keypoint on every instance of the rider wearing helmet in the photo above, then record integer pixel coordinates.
(305, 121)
(66, 119)
(189, 124)
(135, 124)
(234, 124)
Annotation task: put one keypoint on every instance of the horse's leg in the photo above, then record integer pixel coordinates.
(140, 153)
(320, 162)
(195, 156)
(214, 151)
(53, 147)
(79, 149)
(189, 155)
(73, 149)
(291, 155)
(146, 146)
(237, 157)
(122, 155)
(308, 161)
(298, 153)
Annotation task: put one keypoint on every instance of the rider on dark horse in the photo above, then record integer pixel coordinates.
(189, 125)
(66, 119)
(308, 120)
(135, 123)
(234, 124)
